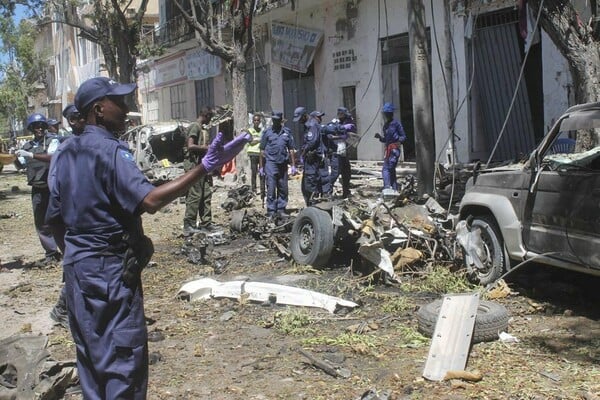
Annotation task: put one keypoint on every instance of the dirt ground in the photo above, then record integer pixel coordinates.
(226, 349)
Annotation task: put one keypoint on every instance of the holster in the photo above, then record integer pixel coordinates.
(311, 157)
(138, 254)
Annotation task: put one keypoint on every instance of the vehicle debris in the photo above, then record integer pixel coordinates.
(335, 371)
(28, 372)
(238, 198)
(452, 336)
(261, 292)
(158, 149)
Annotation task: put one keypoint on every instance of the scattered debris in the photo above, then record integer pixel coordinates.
(507, 338)
(452, 337)
(261, 292)
(491, 319)
(27, 372)
(335, 371)
(238, 198)
(373, 394)
(470, 376)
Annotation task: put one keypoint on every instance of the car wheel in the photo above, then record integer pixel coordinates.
(312, 237)
(494, 259)
(491, 319)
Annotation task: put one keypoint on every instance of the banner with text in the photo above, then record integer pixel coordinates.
(202, 65)
(293, 47)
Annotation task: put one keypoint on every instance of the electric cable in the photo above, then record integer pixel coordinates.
(512, 102)
(374, 66)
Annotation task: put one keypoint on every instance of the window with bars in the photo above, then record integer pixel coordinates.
(178, 101)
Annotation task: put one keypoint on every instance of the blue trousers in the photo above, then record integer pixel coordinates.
(39, 202)
(108, 326)
(315, 179)
(277, 186)
(340, 165)
(388, 170)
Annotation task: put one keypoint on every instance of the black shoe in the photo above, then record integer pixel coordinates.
(207, 227)
(52, 258)
(59, 315)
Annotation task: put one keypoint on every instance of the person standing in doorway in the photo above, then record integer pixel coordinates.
(36, 154)
(393, 137)
(253, 149)
(198, 199)
(277, 151)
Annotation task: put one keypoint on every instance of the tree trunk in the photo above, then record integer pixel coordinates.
(240, 115)
(422, 104)
(575, 40)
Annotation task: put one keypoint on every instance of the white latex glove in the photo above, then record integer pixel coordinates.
(24, 154)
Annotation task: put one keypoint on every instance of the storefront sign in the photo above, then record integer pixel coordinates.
(293, 47)
(202, 65)
(170, 71)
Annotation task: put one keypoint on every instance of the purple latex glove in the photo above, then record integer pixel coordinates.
(350, 127)
(218, 154)
(294, 171)
(261, 171)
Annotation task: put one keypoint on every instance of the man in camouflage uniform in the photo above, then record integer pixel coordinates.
(198, 199)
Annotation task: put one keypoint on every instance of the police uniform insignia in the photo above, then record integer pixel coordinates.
(309, 135)
(126, 155)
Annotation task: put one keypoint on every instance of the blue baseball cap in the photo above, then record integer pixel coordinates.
(52, 122)
(317, 113)
(276, 115)
(388, 108)
(70, 110)
(298, 113)
(99, 87)
(343, 110)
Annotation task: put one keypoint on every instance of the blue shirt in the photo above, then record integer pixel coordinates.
(96, 191)
(393, 132)
(277, 144)
(312, 137)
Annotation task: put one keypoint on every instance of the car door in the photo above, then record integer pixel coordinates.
(562, 213)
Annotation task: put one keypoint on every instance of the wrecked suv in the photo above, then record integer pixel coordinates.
(546, 209)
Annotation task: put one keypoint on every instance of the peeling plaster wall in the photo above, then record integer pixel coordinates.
(558, 85)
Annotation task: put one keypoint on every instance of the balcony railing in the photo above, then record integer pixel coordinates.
(175, 31)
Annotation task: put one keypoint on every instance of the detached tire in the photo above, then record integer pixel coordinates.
(491, 319)
(312, 237)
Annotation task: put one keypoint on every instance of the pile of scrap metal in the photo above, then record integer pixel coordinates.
(158, 149)
(275, 231)
(238, 198)
(393, 235)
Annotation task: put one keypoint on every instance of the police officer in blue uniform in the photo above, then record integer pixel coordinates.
(36, 154)
(337, 136)
(315, 179)
(99, 194)
(277, 151)
(59, 312)
(393, 137)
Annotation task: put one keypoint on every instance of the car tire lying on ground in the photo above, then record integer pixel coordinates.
(312, 237)
(491, 319)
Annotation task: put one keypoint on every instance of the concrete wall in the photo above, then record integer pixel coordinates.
(558, 84)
